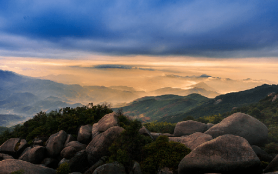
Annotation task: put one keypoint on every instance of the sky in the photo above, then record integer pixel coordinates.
(144, 44)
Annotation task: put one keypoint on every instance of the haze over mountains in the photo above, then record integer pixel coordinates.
(22, 97)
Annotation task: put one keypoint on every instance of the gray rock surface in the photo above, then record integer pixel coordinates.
(136, 169)
(64, 160)
(226, 153)
(95, 131)
(110, 168)
(98, 147)
(106, 122)
(209, 125)
(13, 146)
(11, 165)
(69, 139)
(79, 163)
(85, 134)
(68, 152)
(5, 156)
(272, 166)
(55, 143)
(192, 141)
(246, 126)
(189, 127)
(77, 145)
(34, 155)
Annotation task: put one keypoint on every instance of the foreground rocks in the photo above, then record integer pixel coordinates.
(13, 146)
(11, 165)
(225, 154)
(246, 126)
(55, 143)
(189, 127)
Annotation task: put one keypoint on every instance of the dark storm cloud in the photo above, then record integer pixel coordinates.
(192, 28)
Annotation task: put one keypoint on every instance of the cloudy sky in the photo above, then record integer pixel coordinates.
(141, 41)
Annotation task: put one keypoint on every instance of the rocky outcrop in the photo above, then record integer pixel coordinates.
(189, 127)
(263, 156)
(69, 139)
(275, 98)
(155, 135)
(5, 156)
(209, 125)
(246, 126)
(79, 163)
(96, 165)
(13, 146)
(77, 145)
(146, 132)
(85, 134)
(34, 155)
(224, 154)
(11, 165)
(106, 122)
(95, 131)
(50, 162)
(110, 168)
(136, 169)
(192, 141)
(55, 143)
(68, 152)
(98, 147)
(272, 166)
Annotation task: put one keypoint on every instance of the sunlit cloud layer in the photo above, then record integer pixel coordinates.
(77, 29)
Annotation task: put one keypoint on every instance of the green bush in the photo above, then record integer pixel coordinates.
(162, 153)
(161, 127)
(128, 147)
(63, 169)
(271, 148)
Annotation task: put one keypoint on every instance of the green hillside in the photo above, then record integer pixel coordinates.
(154, 107)
(224, 103)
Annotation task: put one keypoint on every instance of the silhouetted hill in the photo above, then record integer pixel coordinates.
(154, 107)
(225, 103)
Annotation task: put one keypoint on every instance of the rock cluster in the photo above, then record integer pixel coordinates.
(227, 147)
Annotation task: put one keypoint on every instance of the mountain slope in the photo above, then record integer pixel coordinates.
(225, 103)
(154, 107)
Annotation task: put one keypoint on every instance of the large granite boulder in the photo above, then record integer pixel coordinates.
(95, 131)
(96, 165)
(98, 147)
(246, 126)
(136, 169)
(189, 127)
(55, 143)
(78, 146)
(224, 154)
(192, 141)
(11, 165)
(263, 156)
(109, 120)
(5, 156)
(110, 168)
(85, 134)
(35, 155)
(69, 139)
(68, 152)
(209, 125)
(79, 163)
(13, 146)
(272, 166)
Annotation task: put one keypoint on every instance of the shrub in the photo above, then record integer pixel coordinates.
(63, 169)
(161, 127)
(128, 146)
(162, 153)
(18, 172)
(271, 148)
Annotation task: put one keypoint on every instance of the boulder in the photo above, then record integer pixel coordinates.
(78, 146)
(275, 98)
(194, 140)
(55, 143)
(13, 146)
(64, 160)
(272, 166)
(38, 143)
(224, 154)
(69, 139)
(136, 169)
(209, 125)
(146, 132)
(98, 147)
(34, 155)
(68, 152)
(85, 134)
(155, 135)
(189, 127)
(110, 168)
(246, 126)
(79, 163)
(165, 170)
(11, 165)
(263, 156)
(5, 156)
(96, 165)
(50, 162)
(95, 131)
(109, 120)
